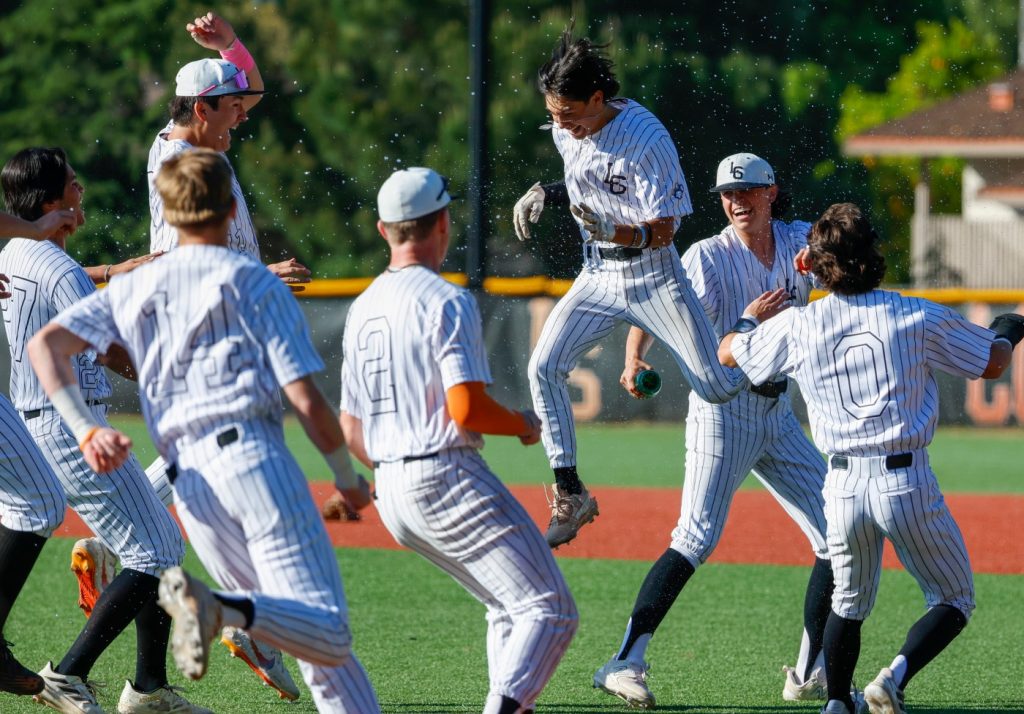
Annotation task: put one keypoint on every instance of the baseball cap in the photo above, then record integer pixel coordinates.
(741, 171)
(411, 193)
(211, 78)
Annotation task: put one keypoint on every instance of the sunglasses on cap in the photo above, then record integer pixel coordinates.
(239, 78)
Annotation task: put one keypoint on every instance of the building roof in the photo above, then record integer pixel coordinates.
(987, 121)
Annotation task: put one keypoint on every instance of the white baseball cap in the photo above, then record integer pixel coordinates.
(411, 193)
(211, 78)
(741, 171)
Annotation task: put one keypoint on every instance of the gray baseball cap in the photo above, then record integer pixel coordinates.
(412, 193)
(741, 171)
(212, 78)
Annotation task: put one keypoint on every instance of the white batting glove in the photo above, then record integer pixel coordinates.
(598, 227)
(527, 210)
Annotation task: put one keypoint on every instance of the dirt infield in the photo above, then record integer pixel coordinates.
(635, 525)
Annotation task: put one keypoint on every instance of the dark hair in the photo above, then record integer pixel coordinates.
(414, 229)
(843, 252)
(33, 177)
(183, 108)
(781, 204)
(577, 69)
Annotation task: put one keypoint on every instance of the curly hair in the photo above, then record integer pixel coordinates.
(843, 253)
(577, 69)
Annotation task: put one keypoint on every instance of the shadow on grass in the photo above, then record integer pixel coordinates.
(559, 708)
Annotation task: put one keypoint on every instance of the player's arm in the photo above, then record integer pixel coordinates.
(118, 360)
(47, 225)
(352, 428)
(473, 409)
(764, 307)
(323, 429)
(50, 352)
(528, 208)
(101, 274)
(638, 343)
(1009, 329)
(215, 33)
(291, 272)
(655, 233)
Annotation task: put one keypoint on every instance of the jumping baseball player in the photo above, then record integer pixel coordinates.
(865, 360)
(628, 193)
(121, 509)
(755, 431)
(414, 406)
(215, 336)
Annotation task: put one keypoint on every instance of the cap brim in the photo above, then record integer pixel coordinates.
(738, 186)
(240, 93)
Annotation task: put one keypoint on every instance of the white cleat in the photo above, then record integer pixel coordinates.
(95, 566)
(266, 661)
(836, 707)
(165, 700)
(197, 615)
(67, 693)
(883, 696)
(627, 681)
(814, 689)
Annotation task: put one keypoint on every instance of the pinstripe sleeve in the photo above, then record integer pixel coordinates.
(661, 185)
(92, 319)
(460, 353)
(767, 351)
(696, 265)
(349, 385)
(953, 343)
(285, 334)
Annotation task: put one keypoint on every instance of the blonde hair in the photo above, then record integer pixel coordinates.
(195, 187)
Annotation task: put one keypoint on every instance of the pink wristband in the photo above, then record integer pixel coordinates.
(239, 56)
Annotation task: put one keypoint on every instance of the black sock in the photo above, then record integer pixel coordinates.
(18, 554)
(568, 480)
(243, 605)
(117, 606)
(842, 648)
(508, 706)
(929, 636)
(152, 631)
(817, 606)
(661, 587)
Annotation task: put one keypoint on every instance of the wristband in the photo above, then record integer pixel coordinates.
(237, 55)
(345, 477)
(87, 438)
(648, 235)
(637, 237)
(744, 324)
(106, 272)
(556, 194)
(76, 414)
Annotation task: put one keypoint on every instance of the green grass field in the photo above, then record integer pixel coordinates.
(720, 650)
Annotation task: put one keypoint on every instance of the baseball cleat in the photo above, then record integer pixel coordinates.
(627, 681)
(336, 508)
(67, 693)
(883, 696)
(834, 706)
(569, 513)
(14, 676)
(814, 689)
(197, 616)
(266, 661)
(95, 566)
(164, 700)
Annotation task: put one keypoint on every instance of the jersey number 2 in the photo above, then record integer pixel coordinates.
(374, 344)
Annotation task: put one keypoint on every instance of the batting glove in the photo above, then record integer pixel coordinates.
(598, 227)
(527, 210)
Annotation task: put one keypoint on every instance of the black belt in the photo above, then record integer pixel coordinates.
(408, 459)
(772, 390)
(33, 413)
(619, 253)
(228, 436)
(893, 461)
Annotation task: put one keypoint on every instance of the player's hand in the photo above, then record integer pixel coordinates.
(802, 262)
(359, 497)
(533, 424)
(56, 223)
(106, 450)
(628, 379)
(768, 305)
(212, 32)
(527, 210)
(598, 227)
(4, 290)
(132, 263)
(291, 272)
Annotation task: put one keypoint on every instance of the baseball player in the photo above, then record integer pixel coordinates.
(756, 431)
(414, 406)
(215, 336)
(865, 360)
(628, 193)
(121, 509)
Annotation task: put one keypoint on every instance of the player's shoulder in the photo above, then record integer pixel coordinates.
(641, 121)
(792, 232)
(38, 256)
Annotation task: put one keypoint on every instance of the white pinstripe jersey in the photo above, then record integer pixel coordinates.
(213, 335)
(629, 170)
(44, 281)
(162, 235)
(409, 338)
(865, 364)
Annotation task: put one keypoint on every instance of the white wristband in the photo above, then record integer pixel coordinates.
(345, 477)
(71, 406)
(748, 316)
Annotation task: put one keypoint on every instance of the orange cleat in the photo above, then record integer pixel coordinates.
(266, 661)
(94, 566)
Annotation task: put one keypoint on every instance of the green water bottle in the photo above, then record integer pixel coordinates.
(647, 382)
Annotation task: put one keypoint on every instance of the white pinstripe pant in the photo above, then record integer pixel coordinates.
(458, 515)
(867, 503)
(250, 516)
(649, 291)
(725, 442)
(31, 498)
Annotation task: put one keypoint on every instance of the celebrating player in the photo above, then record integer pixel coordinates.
(414, 406)
(215, 336)
(865, 360)
(121, 509)
(628, 193)
(756, 431)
